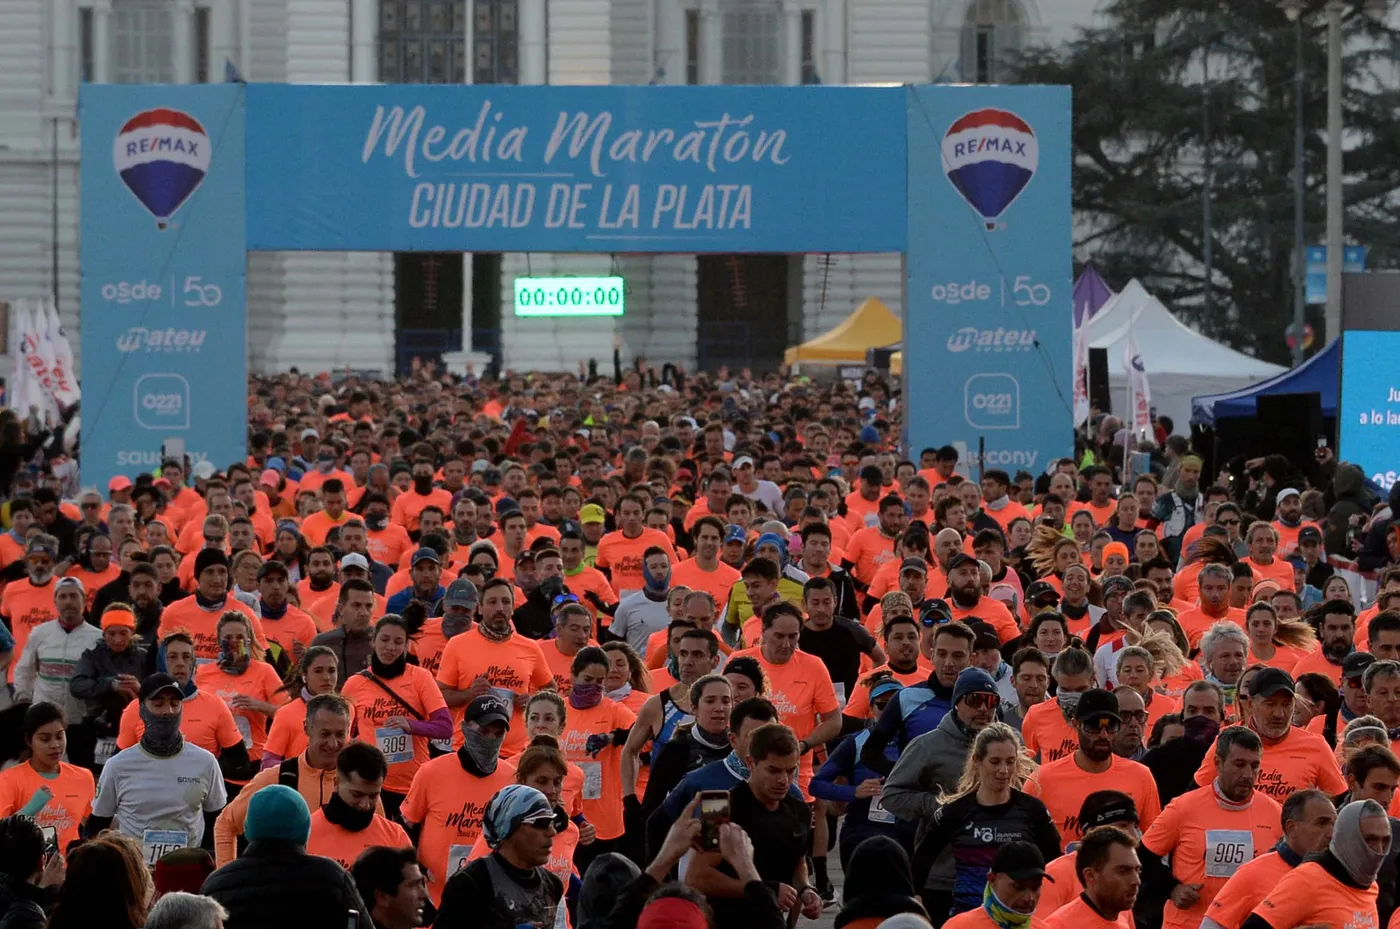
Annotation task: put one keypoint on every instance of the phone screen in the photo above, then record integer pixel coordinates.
(714, 810)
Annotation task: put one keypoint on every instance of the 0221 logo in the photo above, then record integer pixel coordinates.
(992, 401)
(162, 402)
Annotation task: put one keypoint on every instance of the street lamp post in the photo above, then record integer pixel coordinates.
(1335, 9)
(1293, 9)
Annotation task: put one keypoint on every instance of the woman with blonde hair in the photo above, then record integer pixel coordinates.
(1050, 554)
(985, 809)
(1274, 642)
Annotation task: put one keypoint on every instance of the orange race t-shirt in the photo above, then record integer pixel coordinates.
(1309, 896)
(858, 707)
(1243, 891)
(1047, 734)
(1078, 914)
(204, 719)
(1316, 662)
(343, 846)
(514, 668)
(287, 735)
(93, 581)
(449, 803)
(588, 580)
(294, 631)
(1299, 761)
(800, 688)
(992, 612)
(26, 606)
(1279, 571)
(409, 506)
(202, 625)
(72, 788)
(1208, 842)
(1196, 622)
(1062, 887)
(1062, 786)
(716, 583)
(260, 682)
(404, 752)
(622, 557)
(868, 551)
(427, 646)
(319, 524)
(602, 773)
(388, 545)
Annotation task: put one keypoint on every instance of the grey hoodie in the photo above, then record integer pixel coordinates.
(934, 761)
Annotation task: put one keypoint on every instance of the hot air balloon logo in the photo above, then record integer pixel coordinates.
(162, 156)
(990, 156)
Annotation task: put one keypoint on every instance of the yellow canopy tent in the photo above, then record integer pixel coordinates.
(872, 325)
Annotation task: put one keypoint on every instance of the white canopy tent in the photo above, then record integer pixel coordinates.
(1181, 363)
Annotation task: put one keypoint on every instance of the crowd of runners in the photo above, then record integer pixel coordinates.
(647, 651)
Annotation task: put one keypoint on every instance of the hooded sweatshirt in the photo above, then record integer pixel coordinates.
(879, 885)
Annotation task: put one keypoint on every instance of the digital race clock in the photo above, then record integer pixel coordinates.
(569, 296)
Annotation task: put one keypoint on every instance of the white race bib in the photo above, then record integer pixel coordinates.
(561, 916)
(1226, 850)
(103, 751)
(878, 813)
(457, 856)
(442, 745)
(504, 693)
(157, 843)
(592, 779)
(245, 728)
(396, 745)
(840, 687)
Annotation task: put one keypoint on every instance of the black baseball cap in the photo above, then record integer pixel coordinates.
(1107, 808)
(913, 564)
(1039, 589)
(1019, 861)
(1270, 681)
(1096, 704)
(935, 612)
(1309, 534)
(488, 709)
(159, 683)
(958, 560)
(872, 474)
(272, 566)
(1353, 666)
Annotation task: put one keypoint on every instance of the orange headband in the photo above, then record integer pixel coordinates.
(118, 618)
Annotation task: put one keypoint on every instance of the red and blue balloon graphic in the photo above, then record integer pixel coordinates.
(990, 156)
(162, 156)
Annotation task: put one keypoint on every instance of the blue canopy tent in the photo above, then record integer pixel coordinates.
(1316, 375)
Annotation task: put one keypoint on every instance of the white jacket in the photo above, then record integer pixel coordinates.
(46, 667)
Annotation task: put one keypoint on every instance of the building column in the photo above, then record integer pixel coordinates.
(792, 43)
(669, 61)
(364, 41)
(183, 44)
(534, 43)
(102, 42)
(711, 43)
(223, 38)
(833, 32)
(63, 58)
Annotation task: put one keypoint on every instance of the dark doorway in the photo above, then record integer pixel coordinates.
(486, 304)
(427, 306)
(742, 312)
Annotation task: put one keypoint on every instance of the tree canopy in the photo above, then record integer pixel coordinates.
(1139, 147)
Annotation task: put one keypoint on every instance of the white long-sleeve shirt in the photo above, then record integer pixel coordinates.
(46, 667)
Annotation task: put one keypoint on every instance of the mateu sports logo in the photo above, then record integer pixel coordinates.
(162, 156)
(990, 156)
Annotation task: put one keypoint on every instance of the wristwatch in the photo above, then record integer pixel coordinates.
(802, 747)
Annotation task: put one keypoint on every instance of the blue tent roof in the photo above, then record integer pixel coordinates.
(1316, 375)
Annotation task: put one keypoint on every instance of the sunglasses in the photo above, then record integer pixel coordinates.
(1228, 522)
(982, 701)
(542, 823)
(563, 599)
(1104, 725)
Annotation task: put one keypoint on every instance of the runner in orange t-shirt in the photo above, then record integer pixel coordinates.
(492, 658)
(28, 604)
(1310, 895)
(1015, 881)
(1101, 808)
(1063, 785)
(200, 622)
(1107, 866)
(705, 571)
(620, 553)
(448, 800)
(1308, 819)
(289, 626)
(70, 789)
(873, 546)
(317, 673)
(204, 719)
(798, 684)
(350, 823)
(1048, 727)
(590, 739)
(1211, 831)
(398, 708)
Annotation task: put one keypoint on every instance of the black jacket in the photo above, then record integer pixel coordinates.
(533, 618)
(21, 904)
(117, 591)
(276, 885)
(96, 676)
